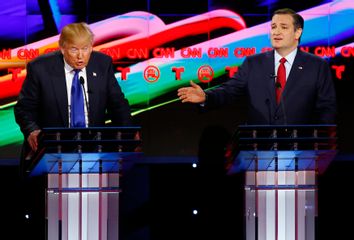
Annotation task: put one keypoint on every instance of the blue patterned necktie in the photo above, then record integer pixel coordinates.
(77, 112)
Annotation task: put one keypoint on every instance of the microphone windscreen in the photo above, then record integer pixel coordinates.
(277, 85)
(82, 80)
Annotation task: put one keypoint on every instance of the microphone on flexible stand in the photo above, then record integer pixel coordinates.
(82, 82)
(273, 76)
(278, 85)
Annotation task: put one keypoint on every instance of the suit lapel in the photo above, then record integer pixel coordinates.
(92, 80)
(296, 72)
(59, 88)
(269, 65)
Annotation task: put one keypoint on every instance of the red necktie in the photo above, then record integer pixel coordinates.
(281, 80)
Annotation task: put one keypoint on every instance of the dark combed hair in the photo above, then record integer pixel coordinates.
(298, 20)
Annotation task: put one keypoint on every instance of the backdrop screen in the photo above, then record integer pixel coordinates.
(159, 46)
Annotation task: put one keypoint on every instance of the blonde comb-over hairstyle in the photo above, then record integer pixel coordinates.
(75, 30)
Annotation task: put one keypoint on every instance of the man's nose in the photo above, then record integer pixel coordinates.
(276, 31)
(80, 53)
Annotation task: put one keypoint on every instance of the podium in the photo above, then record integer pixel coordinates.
(83, 167)
(281, 165)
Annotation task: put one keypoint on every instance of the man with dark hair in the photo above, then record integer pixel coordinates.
(283, 86)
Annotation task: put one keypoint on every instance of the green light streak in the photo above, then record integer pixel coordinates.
(9, 131)
(2, 107)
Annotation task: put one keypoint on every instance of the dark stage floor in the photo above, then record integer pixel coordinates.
(158, 200)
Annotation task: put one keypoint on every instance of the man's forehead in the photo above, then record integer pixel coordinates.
(282, 19)
(79, 44)
(281, 23)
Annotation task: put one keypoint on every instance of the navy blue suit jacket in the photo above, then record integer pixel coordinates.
(43, 100)
(308, 97)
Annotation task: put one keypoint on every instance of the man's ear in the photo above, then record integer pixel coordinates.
(61, 50)
(298, 33)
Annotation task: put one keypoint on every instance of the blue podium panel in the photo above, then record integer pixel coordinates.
(107, 162)
(299, 160)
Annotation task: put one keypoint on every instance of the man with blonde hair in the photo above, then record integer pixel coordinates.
(72, 87)
(45, 98)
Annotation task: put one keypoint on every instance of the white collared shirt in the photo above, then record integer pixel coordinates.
(289, 61)
(69, 75)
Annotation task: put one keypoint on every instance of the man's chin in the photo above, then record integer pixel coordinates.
(276, 46)
(79, 66)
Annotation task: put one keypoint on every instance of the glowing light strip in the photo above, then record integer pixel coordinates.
(11, 104)
(56, 12)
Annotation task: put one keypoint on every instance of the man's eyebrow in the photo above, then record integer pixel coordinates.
(281, 24)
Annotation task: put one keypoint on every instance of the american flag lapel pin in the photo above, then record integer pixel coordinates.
(94, 74)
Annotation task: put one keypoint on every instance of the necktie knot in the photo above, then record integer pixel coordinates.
(282, 60)
(76, 72)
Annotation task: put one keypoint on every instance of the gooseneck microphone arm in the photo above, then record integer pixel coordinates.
(282, 104)
(82, 82)
(277, 85)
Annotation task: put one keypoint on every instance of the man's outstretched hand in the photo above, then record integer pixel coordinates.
(192, 94)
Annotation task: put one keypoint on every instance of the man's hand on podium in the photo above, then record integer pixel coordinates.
(33, 139)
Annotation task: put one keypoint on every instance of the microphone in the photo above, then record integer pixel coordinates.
(272, 76)
(277, 86)
(82, 82)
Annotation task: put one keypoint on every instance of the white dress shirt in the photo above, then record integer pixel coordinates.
(289, 61)
(69, 75)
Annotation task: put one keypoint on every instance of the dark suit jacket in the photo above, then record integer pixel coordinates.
(308, 97)
(43, 100)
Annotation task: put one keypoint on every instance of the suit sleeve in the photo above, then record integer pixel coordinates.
(231, 90)
(26, 108)
(118, 106)
(326, 106)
